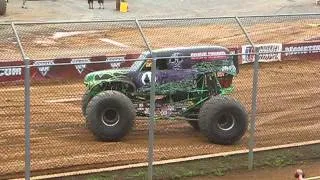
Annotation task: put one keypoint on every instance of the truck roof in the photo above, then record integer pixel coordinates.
(164, 52)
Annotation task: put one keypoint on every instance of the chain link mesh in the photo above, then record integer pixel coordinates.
(8, 44)
(12, 105)
(288, 91)
(12, 129)
(60, 138)
(184, 139)
(45, 41)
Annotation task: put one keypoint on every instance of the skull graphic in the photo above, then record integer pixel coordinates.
(175, 62)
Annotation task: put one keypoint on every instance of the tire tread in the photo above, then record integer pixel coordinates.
(215, 105)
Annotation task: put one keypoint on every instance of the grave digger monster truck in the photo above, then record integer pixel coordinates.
(191, 82)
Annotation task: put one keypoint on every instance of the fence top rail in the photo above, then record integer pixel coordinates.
(134, 59)
(154, 19)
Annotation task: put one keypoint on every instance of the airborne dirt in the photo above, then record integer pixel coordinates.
(287, 113)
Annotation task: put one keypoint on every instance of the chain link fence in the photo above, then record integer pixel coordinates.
(12, 106)
(185, 140)
(61, 54)
(288, 94)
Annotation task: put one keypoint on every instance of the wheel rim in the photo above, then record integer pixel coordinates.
(110, 117)
(226, 122)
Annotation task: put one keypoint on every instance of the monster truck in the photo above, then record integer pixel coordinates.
(192, 83)
(3, 7)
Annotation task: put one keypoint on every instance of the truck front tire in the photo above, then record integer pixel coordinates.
(110, 115)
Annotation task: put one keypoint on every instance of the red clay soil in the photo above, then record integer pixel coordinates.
(288, 111)
(43, 41)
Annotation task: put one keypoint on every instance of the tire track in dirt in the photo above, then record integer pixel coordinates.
(190, 33)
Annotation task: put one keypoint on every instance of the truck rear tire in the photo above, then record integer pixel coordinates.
(3, 7)
(223, 120)
(110, 115)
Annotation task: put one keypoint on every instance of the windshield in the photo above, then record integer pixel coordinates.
(137, 64)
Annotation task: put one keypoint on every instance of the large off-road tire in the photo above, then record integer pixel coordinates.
(110, 115)
(3, 7)
(85, 100)
(223, 120)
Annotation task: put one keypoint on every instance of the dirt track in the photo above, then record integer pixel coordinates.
(288, 102)
(288, 106)
(51, 41)
(288, 111)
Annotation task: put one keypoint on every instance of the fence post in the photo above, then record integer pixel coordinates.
(254, 107)
(254, 96)
(27, 115)
(152, 105)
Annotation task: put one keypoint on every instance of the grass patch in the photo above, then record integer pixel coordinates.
(218, 166)
(280, 160)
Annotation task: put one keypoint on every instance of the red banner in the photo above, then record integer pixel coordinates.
(55, 69)
(10, 73)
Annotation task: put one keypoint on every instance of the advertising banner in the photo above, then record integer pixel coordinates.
(268, 52)
(301, 51)
(8, 73)
(68, 68)
(77, 67)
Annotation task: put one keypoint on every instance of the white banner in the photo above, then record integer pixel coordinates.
(266, 50)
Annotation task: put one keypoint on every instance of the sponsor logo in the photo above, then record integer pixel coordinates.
(115, 62)
(10, 71)
(80, 67)
(247, 54)
(43, 67)
(175, 62)
(307, 49)
(269, 52)
(212, 55)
